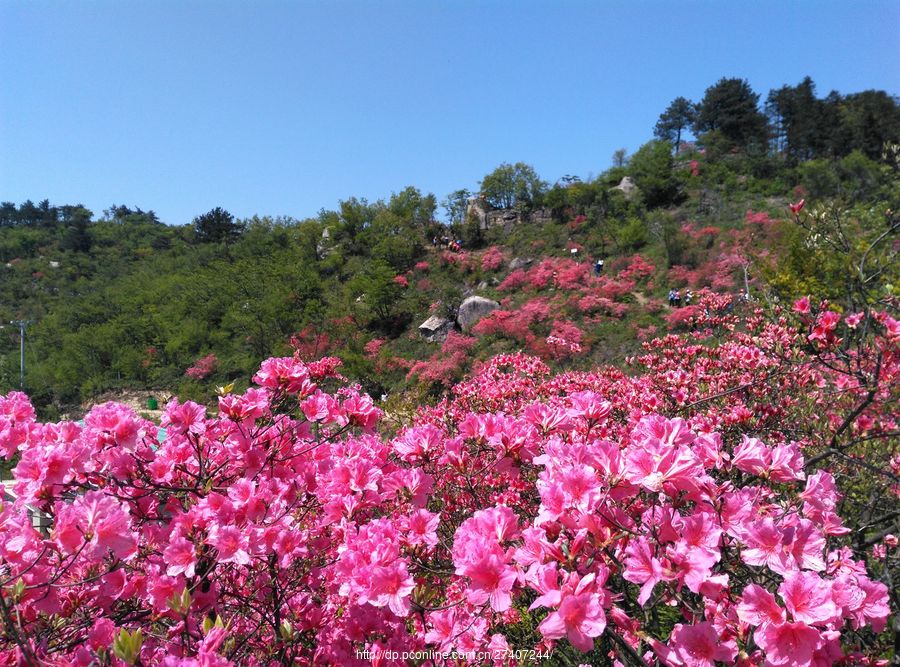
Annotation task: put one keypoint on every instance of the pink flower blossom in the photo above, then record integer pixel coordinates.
(788, 644)
(180, 557)
(231, 545)
(699, 645)
(579, 618)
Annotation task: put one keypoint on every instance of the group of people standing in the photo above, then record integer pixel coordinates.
(455, 245)
(675, 298)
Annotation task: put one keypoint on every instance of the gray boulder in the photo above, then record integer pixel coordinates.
(473, 309)
(627, 186)
(519, 263)
(435, 329)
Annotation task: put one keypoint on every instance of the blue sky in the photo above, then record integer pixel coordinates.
(284, 108)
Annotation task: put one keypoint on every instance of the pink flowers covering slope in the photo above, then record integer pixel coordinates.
(524, 511)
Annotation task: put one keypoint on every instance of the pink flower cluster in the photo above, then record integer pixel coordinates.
(668, 516)
(203, 367)
(492, 259)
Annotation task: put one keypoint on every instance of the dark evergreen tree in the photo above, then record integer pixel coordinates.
(75, 237)
(216, 226)
(677, 117)
(9, 214)
(730, 108)
(797, 121)
(870, 120)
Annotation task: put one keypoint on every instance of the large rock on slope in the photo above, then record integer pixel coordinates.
(435, 329)
(626, 185)
(473, 309)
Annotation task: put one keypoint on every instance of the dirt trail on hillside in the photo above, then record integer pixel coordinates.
(134, 399)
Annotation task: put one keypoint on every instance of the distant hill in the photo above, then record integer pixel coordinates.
(123, 301)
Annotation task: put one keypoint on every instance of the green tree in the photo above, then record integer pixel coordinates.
(797, 120)
(869, 121)
(652, 168)
(376, 290)
(455, 205)
(677, 117)
(512, 185)
(76, 237)
(730, 108)
(216, 226)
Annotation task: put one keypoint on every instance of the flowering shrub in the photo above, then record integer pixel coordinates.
(492, 259)
(761, 218)
(683, 317)
(373, 347)
(638, 267)
(678, 514)
(445, 366)
(592, 303)
(203, 367)
(310, 343)
(513, 281)
(516, 325)
(565, 339)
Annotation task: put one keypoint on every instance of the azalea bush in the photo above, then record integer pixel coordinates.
(721, 502)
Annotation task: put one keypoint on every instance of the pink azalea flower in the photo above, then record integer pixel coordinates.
(491, 581)
(101, 634)
(699, 646)
(187, 417)
(808, 598)
(180, 557)
(392, 587)
(641, 567)
(284, 373)
(802, 305)
(99, 520)
(231, 544)
(421, 528)
(674, 466)
(759, 606)
(788, 644)
(854, 319)
(443, 628)
(751, 456)
(579, 618)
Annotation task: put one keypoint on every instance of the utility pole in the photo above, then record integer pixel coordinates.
(21, 324)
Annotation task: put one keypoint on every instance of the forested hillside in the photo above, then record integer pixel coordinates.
(119, 299)
(648, 418)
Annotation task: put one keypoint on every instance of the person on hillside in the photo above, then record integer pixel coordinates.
(598, 267)
(677, 299)
(671, 298)
(688, 297)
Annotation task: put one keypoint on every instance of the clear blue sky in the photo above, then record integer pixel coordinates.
(284, 108)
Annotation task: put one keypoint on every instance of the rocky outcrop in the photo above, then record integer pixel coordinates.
(478, 208)
(473, 309)
(435, 329)
(519, 263)
(505, 218)
(627, 186)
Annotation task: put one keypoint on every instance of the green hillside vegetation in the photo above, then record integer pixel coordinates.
(120, 300)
